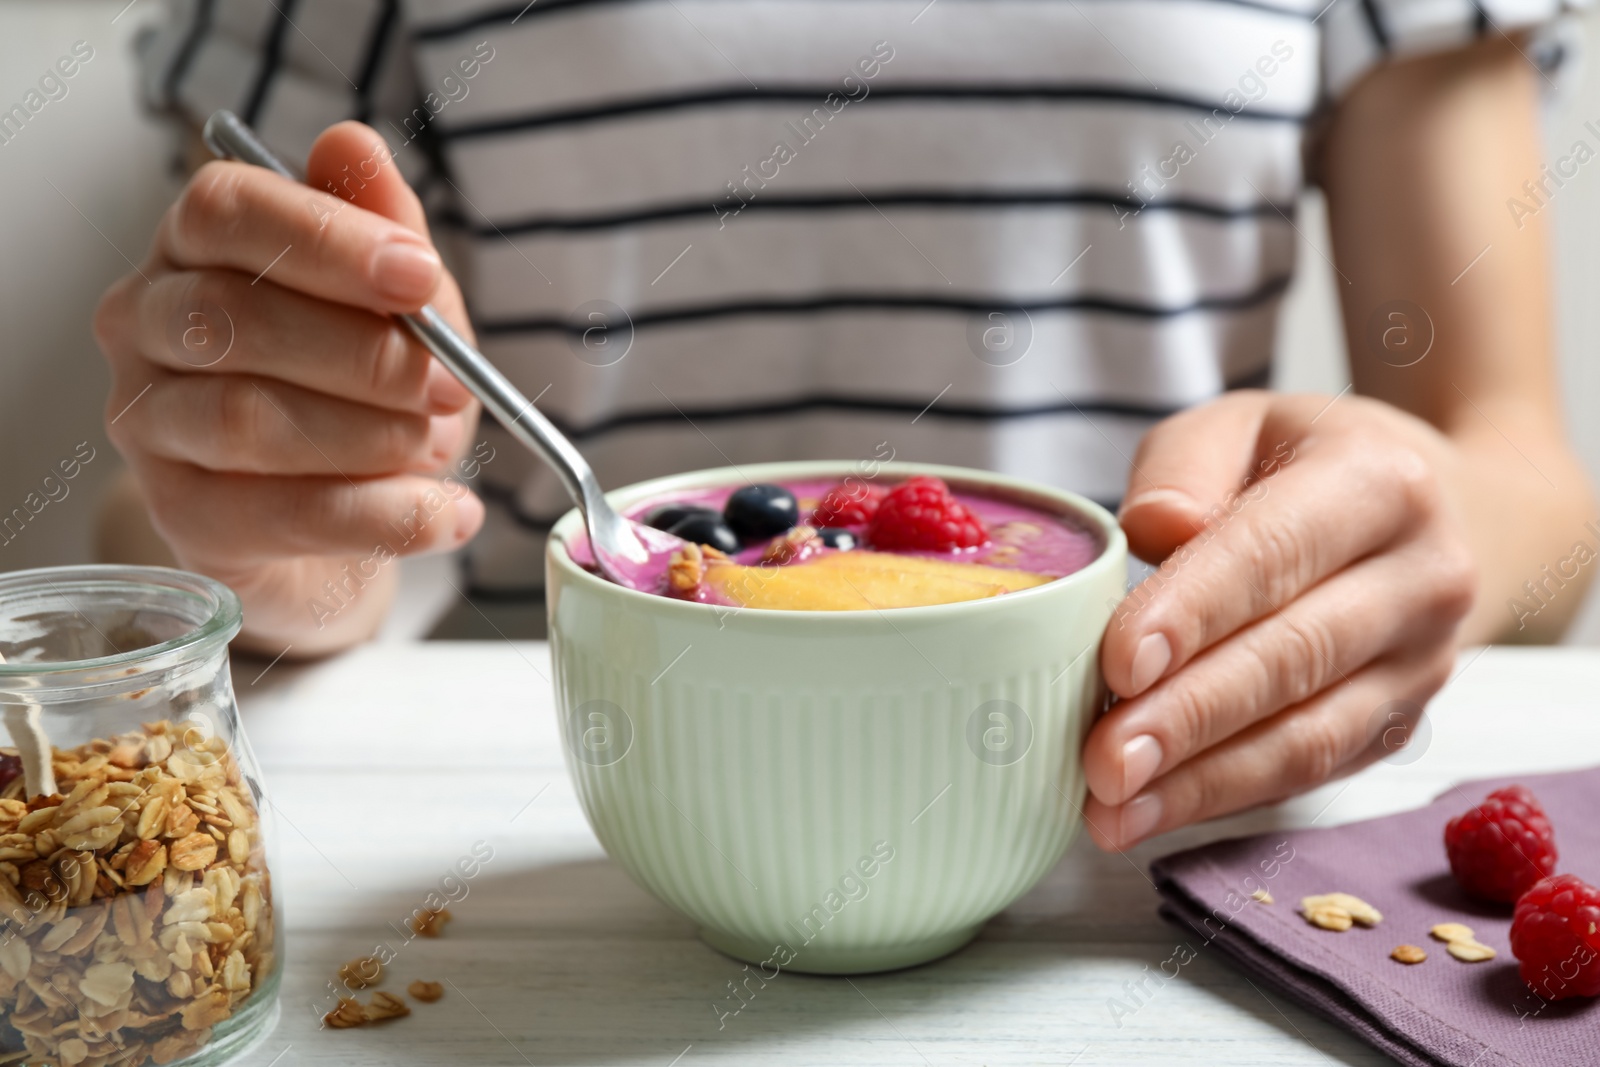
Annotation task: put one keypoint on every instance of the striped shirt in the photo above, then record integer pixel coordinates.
(1008, 234)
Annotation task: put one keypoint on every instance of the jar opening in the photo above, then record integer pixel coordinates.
(64, 619)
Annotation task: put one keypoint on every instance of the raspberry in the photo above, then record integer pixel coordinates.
(1502, 846)
(921, 515)
(848, 505)
(1556, 936)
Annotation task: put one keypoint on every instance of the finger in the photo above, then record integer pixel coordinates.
(1318, 640)
(250, 425)
(248, 219)
(235, 520)
(220, 322)
(1334, 502)
(350, 161)
(1186, 465)
(1331, 735)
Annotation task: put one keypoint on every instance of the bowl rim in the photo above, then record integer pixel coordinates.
(1113, 553)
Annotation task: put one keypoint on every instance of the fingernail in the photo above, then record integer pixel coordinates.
(406, 273)
(1139, 818)
(1171, 497)
(1150, 662)
(469, 517)
(1141, 758)
(445, 393)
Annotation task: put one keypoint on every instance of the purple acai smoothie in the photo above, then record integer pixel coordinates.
(823, 544)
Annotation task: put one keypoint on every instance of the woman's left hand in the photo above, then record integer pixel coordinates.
(1315, 571)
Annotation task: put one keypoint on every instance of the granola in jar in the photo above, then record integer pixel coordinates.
(138, 919)
(136, 910)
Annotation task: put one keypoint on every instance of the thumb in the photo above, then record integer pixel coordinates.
(352, 162)
(1185, 466)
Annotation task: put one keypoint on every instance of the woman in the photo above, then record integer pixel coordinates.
(1045, 237)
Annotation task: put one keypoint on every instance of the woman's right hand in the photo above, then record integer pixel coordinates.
(284, 429)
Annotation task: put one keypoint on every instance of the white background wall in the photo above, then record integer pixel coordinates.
(110, 166)
(110, 163)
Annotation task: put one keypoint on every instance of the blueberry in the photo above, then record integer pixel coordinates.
(759, 512)
(666, 516)
(706, 529)
(834, 537)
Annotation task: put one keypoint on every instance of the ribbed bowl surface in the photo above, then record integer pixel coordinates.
(832, 791)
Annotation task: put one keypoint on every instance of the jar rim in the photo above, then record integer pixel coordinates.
(222, 611)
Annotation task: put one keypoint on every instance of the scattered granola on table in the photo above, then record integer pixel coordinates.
(1448, 932)
(361, 973)
(1461, 942)
(135, 904)
(1409, 954)
(430, 923)
(1339, 911)
(346, 1015)
(1470, 951)
(1328, 917)
(385, 1006)
(427, 992)
(351, 1013)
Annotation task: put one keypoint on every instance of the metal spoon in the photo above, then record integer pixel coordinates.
(627, 552)
(23, 723)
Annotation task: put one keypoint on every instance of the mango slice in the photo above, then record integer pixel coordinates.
(862, 581)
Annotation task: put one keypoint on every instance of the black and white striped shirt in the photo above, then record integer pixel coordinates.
(1007, 234)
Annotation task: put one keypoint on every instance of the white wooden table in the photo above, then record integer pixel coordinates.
(386, 766)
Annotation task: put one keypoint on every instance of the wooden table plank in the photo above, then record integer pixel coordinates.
(389, 764)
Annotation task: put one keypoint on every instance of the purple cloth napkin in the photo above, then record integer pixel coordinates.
(1439, 1013)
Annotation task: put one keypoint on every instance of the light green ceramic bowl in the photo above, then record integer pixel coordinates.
(833, 792)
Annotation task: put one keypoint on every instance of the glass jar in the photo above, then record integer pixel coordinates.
(137, 917)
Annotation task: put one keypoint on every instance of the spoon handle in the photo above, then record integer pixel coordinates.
(228, 136)
(505, 401)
